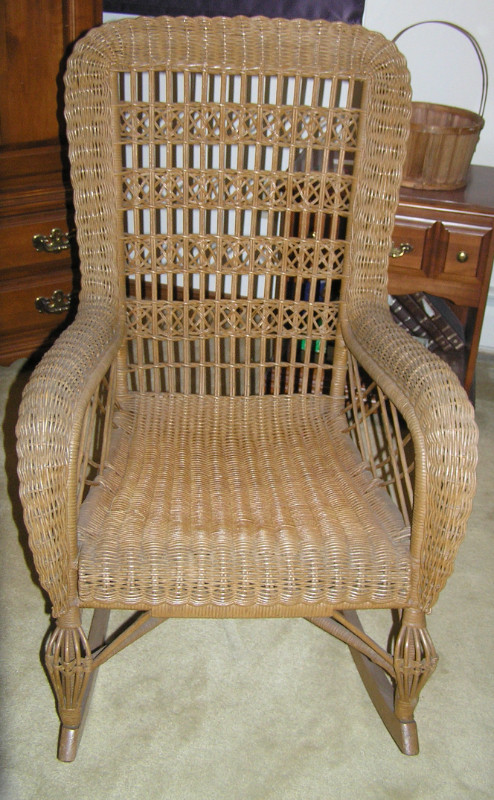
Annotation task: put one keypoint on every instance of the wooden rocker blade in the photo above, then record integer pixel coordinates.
(381, 692)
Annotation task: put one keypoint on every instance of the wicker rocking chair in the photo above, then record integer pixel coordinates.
(233, 426)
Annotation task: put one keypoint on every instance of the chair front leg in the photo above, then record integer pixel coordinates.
(71, 669)
(415, 660)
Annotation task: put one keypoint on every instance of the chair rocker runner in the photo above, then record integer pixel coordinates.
(233, 426)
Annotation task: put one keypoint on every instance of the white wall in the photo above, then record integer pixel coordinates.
(445, 69)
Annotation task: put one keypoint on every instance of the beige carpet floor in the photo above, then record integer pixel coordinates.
(249, 710)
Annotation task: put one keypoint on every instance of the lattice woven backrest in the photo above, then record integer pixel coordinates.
(231, 193)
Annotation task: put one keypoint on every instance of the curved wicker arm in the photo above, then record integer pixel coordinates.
(441, 421)
(48, 429)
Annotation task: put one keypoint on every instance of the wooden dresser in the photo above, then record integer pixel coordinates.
(35, 39)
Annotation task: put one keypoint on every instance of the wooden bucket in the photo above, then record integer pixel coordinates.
(443, 138)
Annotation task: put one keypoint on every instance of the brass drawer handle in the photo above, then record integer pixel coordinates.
(58, 303)
(462, 256)
(55, 242)
(401, 250)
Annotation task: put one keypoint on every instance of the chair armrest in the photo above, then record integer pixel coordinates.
(48, 432)
(440, 418)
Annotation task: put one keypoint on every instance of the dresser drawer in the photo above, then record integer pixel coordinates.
(19, 291)
(27, 274)
(16, 240)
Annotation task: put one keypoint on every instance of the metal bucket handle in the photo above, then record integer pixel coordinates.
(474, 42)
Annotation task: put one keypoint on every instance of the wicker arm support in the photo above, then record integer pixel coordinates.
(48, 432)
(440, 418)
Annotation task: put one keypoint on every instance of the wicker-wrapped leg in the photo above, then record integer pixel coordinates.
(393, 683)
(70, 666)
(415, 660)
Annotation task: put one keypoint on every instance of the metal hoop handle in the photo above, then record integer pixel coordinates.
(473, 41)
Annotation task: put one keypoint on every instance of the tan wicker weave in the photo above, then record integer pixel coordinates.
(233, 425)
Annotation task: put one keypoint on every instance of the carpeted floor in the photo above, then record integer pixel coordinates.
(249, 710)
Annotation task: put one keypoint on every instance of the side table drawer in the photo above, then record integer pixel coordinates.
(448, 255)
(411, 243)
(464, 246)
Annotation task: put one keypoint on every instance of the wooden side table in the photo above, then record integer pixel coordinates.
(444, 245)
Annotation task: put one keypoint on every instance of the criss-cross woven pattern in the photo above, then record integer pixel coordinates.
(236, 190)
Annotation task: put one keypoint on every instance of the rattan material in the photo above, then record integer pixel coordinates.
(216, 432)
(179, 515)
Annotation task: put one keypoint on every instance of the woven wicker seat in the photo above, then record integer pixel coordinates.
(233, 426)
(179, 516)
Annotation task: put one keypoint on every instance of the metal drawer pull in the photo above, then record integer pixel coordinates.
(401, 250)
(58, 303)
(55, 242)
(462, 256)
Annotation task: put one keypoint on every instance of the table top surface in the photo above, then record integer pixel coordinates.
(478, 194)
